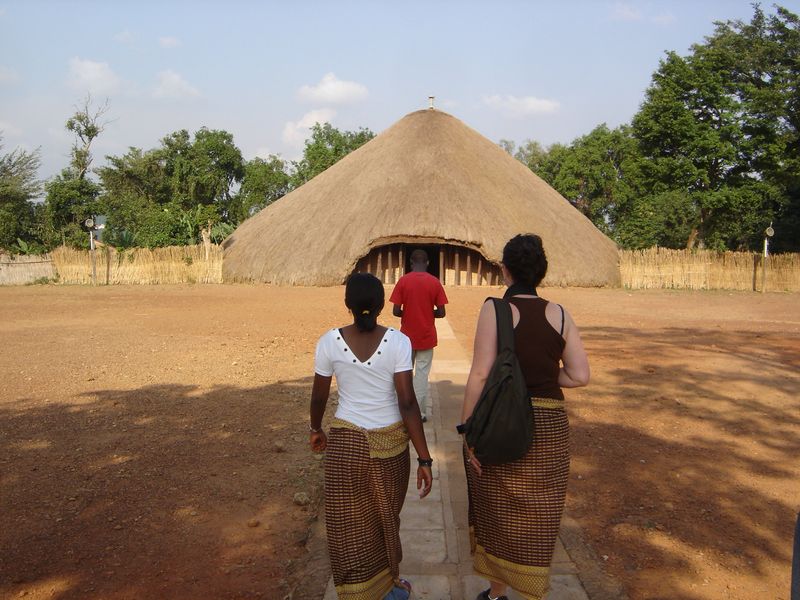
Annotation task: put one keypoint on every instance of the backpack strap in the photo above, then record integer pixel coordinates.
(505, 324)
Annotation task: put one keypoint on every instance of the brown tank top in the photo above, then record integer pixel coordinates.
(538, 347)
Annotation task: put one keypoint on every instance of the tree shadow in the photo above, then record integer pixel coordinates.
(165, 491)
(687, 442)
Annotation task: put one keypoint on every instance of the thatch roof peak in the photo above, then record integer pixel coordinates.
(428, 178)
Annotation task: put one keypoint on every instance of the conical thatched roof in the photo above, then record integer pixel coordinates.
(430, 177)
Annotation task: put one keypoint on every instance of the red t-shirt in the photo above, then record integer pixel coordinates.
(418, 293)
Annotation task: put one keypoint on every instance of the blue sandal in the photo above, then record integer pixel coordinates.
(400, 591)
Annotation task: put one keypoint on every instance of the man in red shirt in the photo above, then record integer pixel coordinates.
(418, 299)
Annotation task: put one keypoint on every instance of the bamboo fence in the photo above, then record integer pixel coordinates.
(655, 268)
(661, 268)
(174, 264)
(22, 270)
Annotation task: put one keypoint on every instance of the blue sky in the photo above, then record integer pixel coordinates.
(265, 71)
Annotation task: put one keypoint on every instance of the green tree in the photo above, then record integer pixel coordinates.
(69, 202)
(87, 124)
(720, 127)
(599, 173)
(531, 154)
(19, 185)
(766, 75)
(326, 146)
(508, 145)
(203, 170)
(167, 195)
(264, 182)
(217, 165)
(72, 195)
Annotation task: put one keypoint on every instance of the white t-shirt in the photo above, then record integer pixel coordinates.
(367, 396)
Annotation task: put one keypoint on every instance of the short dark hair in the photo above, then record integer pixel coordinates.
(364, 296)
(419, 256)
(525, 259)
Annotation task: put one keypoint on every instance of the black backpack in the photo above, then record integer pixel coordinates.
(500, 429)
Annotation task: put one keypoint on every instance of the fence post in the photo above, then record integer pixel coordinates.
(93, 257)
(796, 562)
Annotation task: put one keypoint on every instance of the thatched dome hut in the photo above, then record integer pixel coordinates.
(428, 181)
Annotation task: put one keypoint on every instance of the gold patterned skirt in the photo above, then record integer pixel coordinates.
(366, 479)
(515, 508)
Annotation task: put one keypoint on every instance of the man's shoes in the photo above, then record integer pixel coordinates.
(424, 419)
(484, 595)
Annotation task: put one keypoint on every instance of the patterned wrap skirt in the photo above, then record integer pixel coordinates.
(515, 508)
(366, 479)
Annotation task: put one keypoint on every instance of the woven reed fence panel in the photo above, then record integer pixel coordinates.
(21, 270)
(174, 264)
(660, 268)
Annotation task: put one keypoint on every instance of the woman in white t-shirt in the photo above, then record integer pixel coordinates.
(367, 462)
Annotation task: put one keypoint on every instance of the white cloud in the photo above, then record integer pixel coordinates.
(169, 42)
(664, 19)
(296, 132)
(625, 12)
(7, 75)
(123, 37)
(521, 107)
(332, 90)
(9, 130)
(92, 76)
(173, 85)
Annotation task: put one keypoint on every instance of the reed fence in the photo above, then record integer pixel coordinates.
(174, 264)
(655, 268)
(22, 270)
(661, 268)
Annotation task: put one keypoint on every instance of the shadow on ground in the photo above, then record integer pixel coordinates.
(164, 491)
(685, 447)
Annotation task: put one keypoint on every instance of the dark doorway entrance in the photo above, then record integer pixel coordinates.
(433, 257)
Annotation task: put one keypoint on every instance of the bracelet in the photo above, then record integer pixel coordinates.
(425, 462)
(312, 430)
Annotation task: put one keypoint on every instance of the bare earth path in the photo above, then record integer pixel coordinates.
(153, 439)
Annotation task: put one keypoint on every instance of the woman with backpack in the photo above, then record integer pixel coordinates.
(515, 507)
(367, 458)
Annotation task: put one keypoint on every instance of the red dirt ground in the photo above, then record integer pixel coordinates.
(153, 439)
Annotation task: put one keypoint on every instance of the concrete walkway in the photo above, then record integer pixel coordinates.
(434, 530)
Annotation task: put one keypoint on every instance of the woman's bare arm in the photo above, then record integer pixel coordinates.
(483, 356)
(319, 399)
(575, 364)
(409, 411)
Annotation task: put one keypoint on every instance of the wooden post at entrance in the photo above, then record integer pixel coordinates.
(458, 274)
(441, 266)
(469, 267)
(379, 265)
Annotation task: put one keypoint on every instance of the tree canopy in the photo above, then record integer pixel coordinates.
(710, 159)
(712, 156)
(19, 185)
(326, 146)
